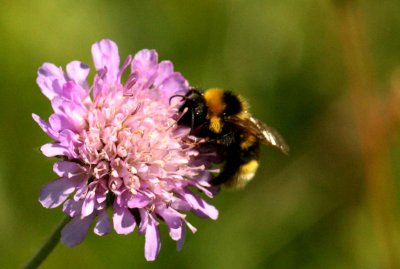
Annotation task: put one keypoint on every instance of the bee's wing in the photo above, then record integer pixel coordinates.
(265, 133)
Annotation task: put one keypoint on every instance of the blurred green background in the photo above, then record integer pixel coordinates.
(332, 203)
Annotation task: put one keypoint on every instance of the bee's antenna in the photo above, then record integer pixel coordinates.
(177, 95)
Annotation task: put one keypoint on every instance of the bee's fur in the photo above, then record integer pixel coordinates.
(222, 118)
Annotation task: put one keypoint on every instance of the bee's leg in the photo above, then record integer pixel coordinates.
(225, 140)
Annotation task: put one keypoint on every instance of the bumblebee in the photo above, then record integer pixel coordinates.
(222, 119)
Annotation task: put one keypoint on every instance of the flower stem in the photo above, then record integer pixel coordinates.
(47, 247)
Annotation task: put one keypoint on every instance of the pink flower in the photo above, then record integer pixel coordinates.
(119, 147)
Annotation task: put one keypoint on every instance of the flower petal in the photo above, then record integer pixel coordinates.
(45, 126)
(180, 204)
(170, 216)
(72, 208)
(103, 225)
(56, 192)
(56, 123)
(78, 72)
(144, 220)
(53, 149)
(88, 204)
(174, 84)
(152, 244)
(106, 57)
(175, 233)
(201, 207)
(68, 169)
(145, 63)
(138, 200)
(50, 80)
(182, 238)
(124, 222)
(165, 69)
(74, 92)
(75, 231)
(173, 219)
(71, 114)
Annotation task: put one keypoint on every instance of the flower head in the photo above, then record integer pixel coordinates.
(119, 148)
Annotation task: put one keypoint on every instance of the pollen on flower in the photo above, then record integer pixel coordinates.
(120, 148)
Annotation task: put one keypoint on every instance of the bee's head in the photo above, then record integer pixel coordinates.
(211, 108)
(194, 109)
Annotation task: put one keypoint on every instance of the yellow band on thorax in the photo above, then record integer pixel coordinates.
(214, 100)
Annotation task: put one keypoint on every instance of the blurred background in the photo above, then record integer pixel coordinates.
(323, 73)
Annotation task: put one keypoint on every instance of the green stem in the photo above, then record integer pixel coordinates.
(47, 247)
